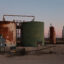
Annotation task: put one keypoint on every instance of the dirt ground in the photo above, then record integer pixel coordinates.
(54, 55)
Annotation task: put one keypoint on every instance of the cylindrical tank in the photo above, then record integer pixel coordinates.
(32, 33)
(8, 32)
(52, 35)
(63, 33)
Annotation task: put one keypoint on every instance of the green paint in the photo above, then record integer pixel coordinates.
(32, 32)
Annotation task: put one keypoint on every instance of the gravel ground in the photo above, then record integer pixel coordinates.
(56, 56)
(33, 59)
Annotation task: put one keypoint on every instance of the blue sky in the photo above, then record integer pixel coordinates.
(48, 11)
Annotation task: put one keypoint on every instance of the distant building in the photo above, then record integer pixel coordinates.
(63, 32)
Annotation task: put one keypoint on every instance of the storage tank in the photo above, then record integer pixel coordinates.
(8, 32)
(32, 33)
(63, 33)
(52, 35)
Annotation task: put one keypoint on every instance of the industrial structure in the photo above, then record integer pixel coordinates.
(8, 32)
(52, 35)
(63, 33)
(21, 35)
(30, 33)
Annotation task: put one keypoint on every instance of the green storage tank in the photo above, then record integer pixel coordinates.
(32, 33)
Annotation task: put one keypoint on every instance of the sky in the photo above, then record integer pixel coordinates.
(47, 11)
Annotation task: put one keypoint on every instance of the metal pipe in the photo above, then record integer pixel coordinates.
(19, 16)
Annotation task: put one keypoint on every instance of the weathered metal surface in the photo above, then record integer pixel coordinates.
(8, 32)
(32, 33)
(52, 35)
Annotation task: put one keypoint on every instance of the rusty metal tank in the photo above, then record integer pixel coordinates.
(52, 35)
(8, 32)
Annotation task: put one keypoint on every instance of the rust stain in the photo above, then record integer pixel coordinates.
(8, 31)
(52, 35)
